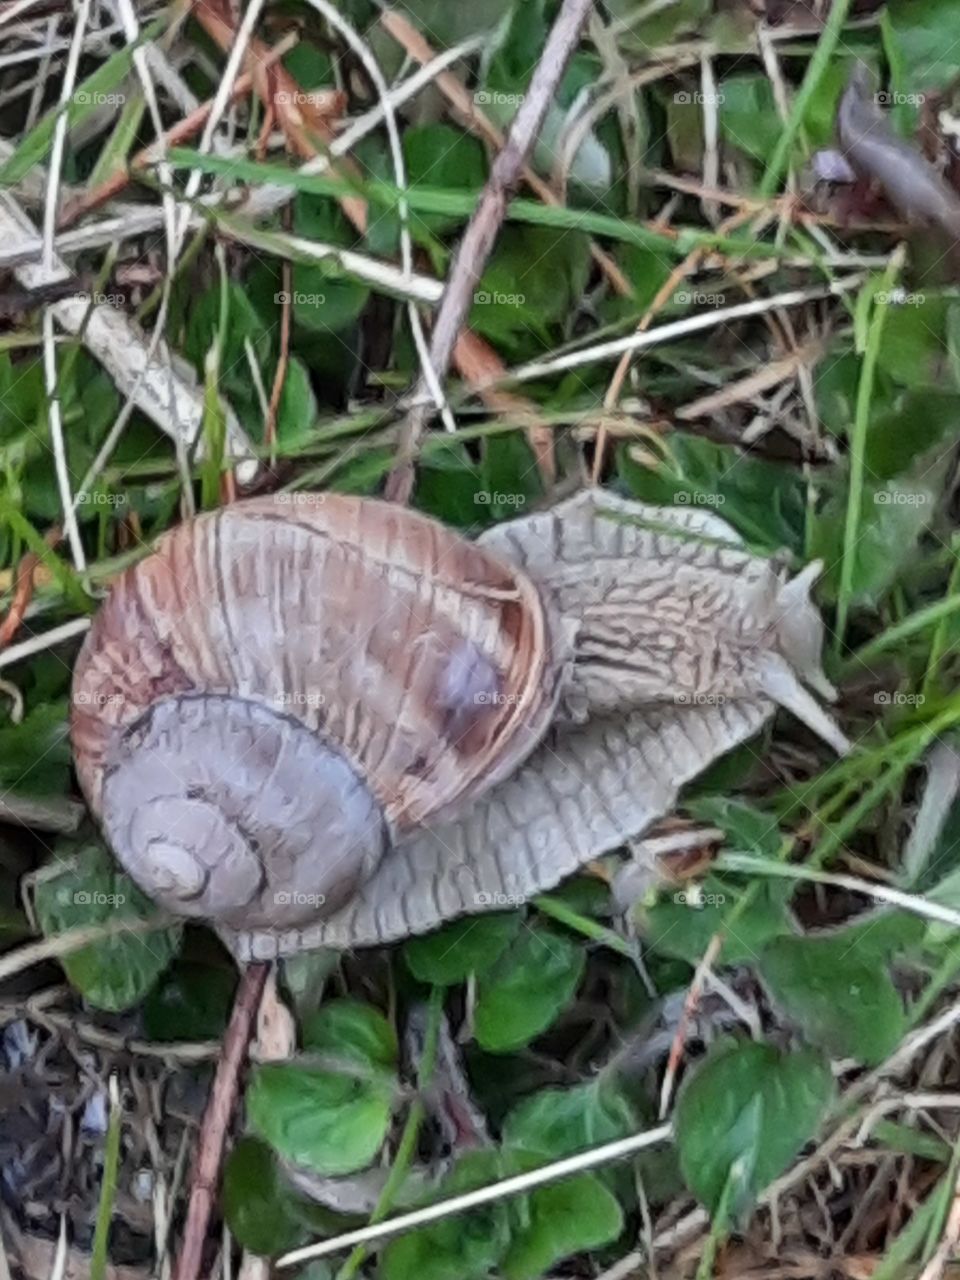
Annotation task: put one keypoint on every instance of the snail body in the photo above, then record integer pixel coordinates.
(338, 722)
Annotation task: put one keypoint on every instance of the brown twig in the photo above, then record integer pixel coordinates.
(216, 1119)
(477, 122)
(23, 589)
(484, 226)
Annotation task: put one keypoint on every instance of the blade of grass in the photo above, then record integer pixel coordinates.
(408, 1139)
(816, 70)
(87, 97)
(423, 199)
(108, 1187)
(858, 441)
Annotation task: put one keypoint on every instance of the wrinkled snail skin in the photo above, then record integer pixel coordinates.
(278, 693)
(340, 723)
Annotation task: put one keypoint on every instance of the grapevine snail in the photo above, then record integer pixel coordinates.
(337, 722)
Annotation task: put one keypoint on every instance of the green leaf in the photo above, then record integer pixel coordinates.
(559, 1122)
(461, 1248)
(748, 114)
(297, 410)
(924, 35)
(330, 1123)
(437, 155)
(526, 989)
(260, 1209)
(118, 971)
(743, 1114)
(352, 1029)
(37, 749)
(569, 1216)
(840, 995)
(511, 479)
(683, 920)
(747, 830)
(453, 953)
(190, 1002)
(892, 518)
(763, 502)
(532, 283)
(324, 300)
(913, 344)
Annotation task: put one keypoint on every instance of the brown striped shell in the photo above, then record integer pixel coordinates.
(288, 686)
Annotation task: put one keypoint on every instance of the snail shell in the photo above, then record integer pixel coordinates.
(282, 691)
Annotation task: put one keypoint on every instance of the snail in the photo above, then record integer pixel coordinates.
(324, 720)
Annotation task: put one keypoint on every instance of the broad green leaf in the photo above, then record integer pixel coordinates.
(748, 114)
(892, 518)
(467, 946)
(742, 1116)
(747, 830)
(923, 36)
(352, 1029)
(568, 1217)
(259, 1207)
(531, 982)
(327, 1122)
(511, 479)
(449, 487)
(325, 300)
(461, 1248)
(190, 1002)
(684, 919)
(438, 155)
(116, 972)
(764, 503)
(35, 755)
(530, 286)
(913, 345)
(559, 1122)
(841, 996)
(297, 410)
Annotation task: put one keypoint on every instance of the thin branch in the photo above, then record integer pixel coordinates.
(216, 1119)
(484, 226)
(516, 1185)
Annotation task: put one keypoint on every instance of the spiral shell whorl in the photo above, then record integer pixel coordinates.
(222, 808)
